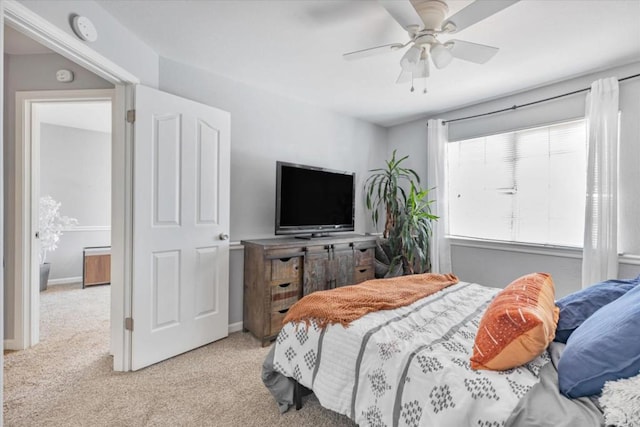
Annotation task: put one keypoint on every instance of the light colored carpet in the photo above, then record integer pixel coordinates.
(67, 380)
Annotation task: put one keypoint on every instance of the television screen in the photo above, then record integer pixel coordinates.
(313, 200)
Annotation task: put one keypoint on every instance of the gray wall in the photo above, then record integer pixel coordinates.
(497, 267)
(75, 169)
(266, 127)
(24, 73)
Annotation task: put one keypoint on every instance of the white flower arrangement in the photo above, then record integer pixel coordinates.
(51, 224)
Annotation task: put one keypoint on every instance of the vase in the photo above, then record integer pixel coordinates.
(44, 275)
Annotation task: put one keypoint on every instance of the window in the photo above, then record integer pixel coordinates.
(526, 186)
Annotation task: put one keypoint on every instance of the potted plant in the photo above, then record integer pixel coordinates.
(384, 188)
(404, 247)
(409, 238)
(51, 224)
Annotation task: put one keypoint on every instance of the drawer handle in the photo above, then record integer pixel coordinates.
(285, 259)
(283, 311)
(363, 250)
(284, 285)
(362, 270)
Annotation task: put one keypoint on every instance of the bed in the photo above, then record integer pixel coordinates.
(410, 367)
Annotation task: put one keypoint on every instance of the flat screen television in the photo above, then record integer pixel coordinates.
(313, 201)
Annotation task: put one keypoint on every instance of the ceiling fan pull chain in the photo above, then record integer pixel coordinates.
(424, 91)
(412, 88)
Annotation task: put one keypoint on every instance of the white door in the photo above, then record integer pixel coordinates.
(180, 226)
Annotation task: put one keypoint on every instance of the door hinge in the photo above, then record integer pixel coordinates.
(131, 116)
(128, 323)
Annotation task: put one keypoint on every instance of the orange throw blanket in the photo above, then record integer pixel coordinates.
(346, 304)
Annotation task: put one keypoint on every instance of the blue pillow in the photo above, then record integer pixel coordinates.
(605, 347)
(575, 308)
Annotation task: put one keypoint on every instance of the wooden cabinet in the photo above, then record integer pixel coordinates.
(278, 272)
(96, 266)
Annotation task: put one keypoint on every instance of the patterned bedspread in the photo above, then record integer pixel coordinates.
(407, 367)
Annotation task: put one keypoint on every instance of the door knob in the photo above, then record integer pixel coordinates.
(224, 236)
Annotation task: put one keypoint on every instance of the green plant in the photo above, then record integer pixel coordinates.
(405, 247)
(384, 188)
(409, 238)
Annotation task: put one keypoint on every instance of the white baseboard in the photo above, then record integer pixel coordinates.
(11, 344)
(65, 280)
(235, 327)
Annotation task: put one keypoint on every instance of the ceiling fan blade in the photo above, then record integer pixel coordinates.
(472, 52)
(474, 13)
(363, 53)
(403, 12)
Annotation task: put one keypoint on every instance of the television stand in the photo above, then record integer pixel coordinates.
(312, 236)
(278, 272)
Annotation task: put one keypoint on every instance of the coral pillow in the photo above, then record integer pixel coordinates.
(518, 325)
(575, 308)
(606, 347)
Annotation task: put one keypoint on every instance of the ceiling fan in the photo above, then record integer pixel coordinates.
(425, 21)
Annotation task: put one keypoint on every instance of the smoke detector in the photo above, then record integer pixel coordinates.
(84, 28)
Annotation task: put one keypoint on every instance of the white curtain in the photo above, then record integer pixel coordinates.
(600, 253)
(440, 249)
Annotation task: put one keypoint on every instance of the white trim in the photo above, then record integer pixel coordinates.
(27, 288)
(236, 246)
(2, 207)
(11, 344)
(559, 251)
(235, 327)
(629, 259)
(33, 25)
(121, 228)
(64, 281)
(86, 228)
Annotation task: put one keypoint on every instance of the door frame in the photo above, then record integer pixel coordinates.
(34, 26)
(27, 191)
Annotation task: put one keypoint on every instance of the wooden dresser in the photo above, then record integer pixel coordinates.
(96, 266)
(280, 271)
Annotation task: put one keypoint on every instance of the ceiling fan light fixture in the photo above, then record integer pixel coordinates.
(441, 55)
(411, 59)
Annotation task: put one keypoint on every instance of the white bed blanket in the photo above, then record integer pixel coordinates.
(407, 367)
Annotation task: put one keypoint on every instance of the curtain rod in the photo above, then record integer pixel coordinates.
(515, 107)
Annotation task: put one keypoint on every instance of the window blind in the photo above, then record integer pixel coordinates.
(526, 186)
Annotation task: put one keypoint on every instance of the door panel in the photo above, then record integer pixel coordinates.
(181, 210)
(208, 173)
(315, 271)
(206, 295)
(344, 263)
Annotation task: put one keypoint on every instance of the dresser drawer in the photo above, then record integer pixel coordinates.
(364, 256)
(363, 273)
(276, 320)
(286, 268)
(284, 295)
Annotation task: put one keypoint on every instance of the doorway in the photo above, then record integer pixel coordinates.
(181, 281)
(20, 318)
(72, 183)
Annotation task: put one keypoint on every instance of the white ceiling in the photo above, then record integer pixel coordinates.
(294, 48)
(90, 115)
